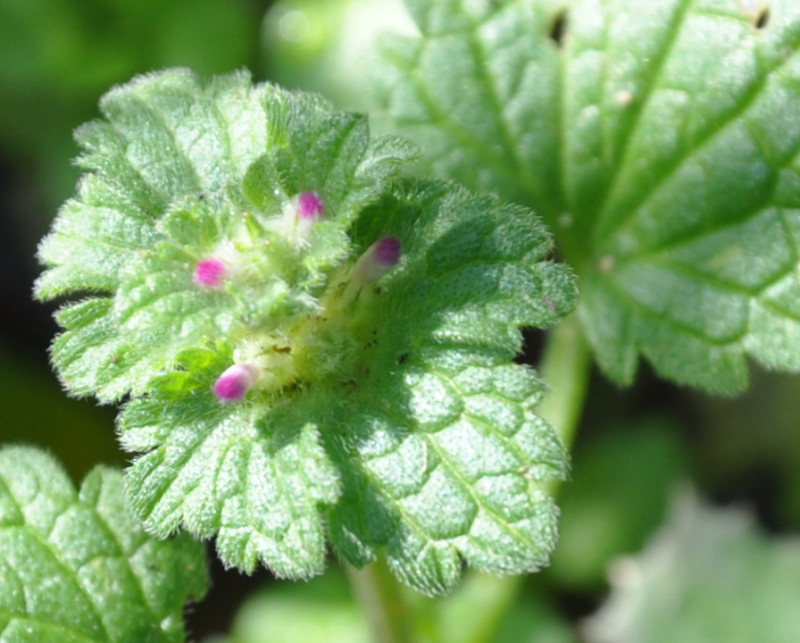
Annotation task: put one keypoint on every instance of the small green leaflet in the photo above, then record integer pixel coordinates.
(78, 567)
(313, 349)
(658, 139)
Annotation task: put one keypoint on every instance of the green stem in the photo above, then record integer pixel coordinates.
(381, 598)
(483, 601)
(565, 367)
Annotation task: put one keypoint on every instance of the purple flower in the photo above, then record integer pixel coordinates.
(381, 255)
(210, 272)
(235, 381)
(310, 206)
(387, 251)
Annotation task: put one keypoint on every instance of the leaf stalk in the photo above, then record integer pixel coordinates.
(382, 602)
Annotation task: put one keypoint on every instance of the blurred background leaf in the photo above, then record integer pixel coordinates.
(329, 46)
(323, 611)
(319, 611)
(60, 56)
(708, 575)
(618, 495)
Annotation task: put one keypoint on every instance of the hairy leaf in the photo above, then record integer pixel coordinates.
(78, 567)
(442, 459)
(659, 139)
(165, 187)
(313, 351)
(245, 472)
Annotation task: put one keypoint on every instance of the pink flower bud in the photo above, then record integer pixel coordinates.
(381, 255)
(235, 381)
(387, 251)
(210, 272)
(309, 206)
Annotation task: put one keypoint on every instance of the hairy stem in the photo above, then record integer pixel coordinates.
(475, 612)
(381, 598)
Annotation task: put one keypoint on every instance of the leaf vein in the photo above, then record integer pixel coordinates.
(638, 107)
(704, 137)
(658, 319)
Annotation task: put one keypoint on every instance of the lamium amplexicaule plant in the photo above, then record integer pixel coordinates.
(313, 333)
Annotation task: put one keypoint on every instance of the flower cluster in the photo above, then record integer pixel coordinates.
(266, 361)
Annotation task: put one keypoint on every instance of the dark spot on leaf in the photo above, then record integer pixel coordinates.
(201, 196)
(762, 20)
(403, 357)
(558, 29)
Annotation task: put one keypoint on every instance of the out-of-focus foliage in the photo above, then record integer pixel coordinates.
(751, 445)
(708, 575)
(532, 618)
(58, 57)
(618, 495)
(35, 410)
(329, 46)
(319, 611)
(323, 611)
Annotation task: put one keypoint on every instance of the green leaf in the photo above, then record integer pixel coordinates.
(169, 174)
(429, 410)
(658, 140)
(708, 575)
(372, 392)
(77, 567)
(442, 459)
(252, 478)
